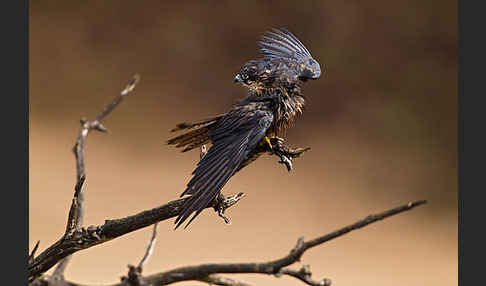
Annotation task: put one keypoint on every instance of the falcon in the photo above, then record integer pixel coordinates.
(273, 103)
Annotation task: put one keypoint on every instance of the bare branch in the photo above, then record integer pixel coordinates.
(76, 212)
(271, 267)
(362, 223)
(32, 253)
(214, 279)
(203, 271)
(150, 248)
(275, 266)
(109, 108)
(134, 277)
(304, 275)
(94, 235)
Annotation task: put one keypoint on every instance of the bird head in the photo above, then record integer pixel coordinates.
(310, 69)
(286, 62)
(248, 74)
(280, 45)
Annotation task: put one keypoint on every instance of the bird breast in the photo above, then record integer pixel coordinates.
(288, 110)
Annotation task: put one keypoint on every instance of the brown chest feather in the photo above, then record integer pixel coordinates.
(287, 112)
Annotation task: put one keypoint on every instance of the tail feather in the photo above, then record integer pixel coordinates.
(194, 138)
(191, 140)
(188, 137)
(190, 125)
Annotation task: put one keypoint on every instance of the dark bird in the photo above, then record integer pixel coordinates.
(271, 106)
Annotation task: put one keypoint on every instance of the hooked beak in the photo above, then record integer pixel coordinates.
(308, 74)
(315, 71)
(238, 78)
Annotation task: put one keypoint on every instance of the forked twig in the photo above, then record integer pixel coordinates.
(134, 277)
(76, 212)
(220, 280)
(32, 253)
(150, 248)
(304, 275)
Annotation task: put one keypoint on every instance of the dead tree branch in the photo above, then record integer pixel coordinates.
(277, 267)
(32, 253)
(214, 279)
(274, 266)
(304, 275)
(134, 277)
(76, 212)
(111, 229)
(150, 248)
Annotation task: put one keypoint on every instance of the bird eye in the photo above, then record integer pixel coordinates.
(244, 76)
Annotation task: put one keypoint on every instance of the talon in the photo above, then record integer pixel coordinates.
(225, 218)
(277, 140)
(297, 152)
(287, 162)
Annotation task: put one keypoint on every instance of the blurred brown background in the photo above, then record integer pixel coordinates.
(382, 126)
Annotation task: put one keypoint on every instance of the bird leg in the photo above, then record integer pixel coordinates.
(285, 153)
(221, 203)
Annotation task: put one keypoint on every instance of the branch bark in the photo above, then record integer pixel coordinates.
(277, 267)
(111, 229)
(274, 266)
(76, 212)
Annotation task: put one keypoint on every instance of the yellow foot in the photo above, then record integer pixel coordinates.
(273, 140)
(268, 142)
(279, 140)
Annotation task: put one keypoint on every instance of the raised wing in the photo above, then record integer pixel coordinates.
(280, 43)
(233, 137)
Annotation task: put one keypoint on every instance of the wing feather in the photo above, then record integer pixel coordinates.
(233, 137)
(292, 38)
(281, 43)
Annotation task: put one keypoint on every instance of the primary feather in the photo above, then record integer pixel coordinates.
(232, 137)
